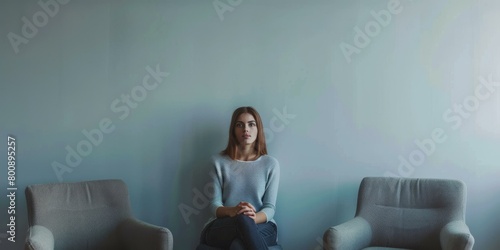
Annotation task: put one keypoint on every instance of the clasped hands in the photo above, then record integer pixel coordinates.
(244, 208)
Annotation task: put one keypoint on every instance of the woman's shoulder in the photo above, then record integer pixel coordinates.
(269, 160)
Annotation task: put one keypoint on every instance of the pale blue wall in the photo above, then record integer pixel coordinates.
(350, 119)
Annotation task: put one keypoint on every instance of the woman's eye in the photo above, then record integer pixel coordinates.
(239, 125)
(252, 124)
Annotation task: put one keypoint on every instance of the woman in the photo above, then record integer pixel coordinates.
(245, 188)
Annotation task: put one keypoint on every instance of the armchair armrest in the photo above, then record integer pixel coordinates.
(140, 235)
(39, 238)
(456, 236)
(351, 235)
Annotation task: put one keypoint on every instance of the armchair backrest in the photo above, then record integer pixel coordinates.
(82, 215)
(409, 212)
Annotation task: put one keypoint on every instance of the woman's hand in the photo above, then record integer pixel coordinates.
(248, 210)
(228, 211)
(244, 208)
(247, 204)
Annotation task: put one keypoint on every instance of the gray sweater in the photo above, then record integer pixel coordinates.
(255, 182)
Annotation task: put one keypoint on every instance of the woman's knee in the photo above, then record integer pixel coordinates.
(243, 220)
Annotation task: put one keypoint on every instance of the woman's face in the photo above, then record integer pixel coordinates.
(245, 129)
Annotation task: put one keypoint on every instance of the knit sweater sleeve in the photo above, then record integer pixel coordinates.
(271, 193)
(217, 184)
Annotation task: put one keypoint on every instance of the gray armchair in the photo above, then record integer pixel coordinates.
(88, 215)
(405, 213)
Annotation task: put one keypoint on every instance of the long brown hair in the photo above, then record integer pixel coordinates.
(260, 141)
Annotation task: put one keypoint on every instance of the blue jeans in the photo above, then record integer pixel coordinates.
(239, 232)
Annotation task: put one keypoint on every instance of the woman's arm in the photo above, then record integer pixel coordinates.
(260, 217)
(271, 194)
(227, 211)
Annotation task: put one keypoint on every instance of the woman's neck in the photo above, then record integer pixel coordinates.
(246, 153)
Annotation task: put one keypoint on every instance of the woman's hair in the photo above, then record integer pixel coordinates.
(260, 141)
